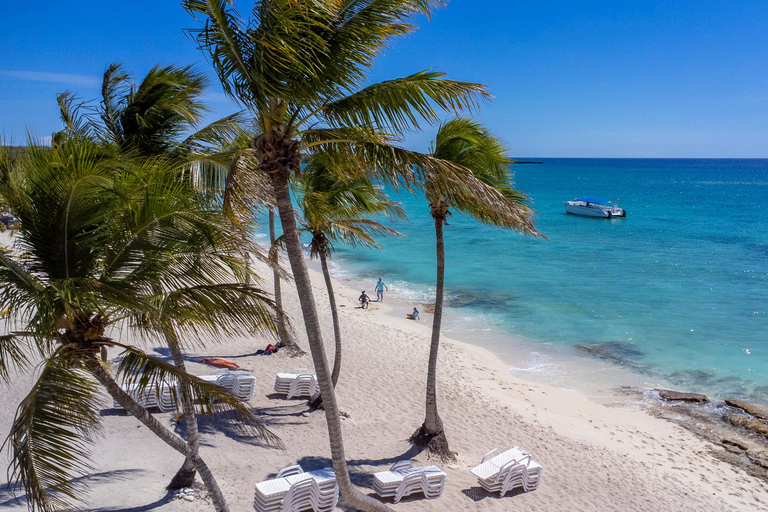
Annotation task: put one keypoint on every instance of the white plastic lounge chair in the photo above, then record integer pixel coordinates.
(296, 385)
(403, 479)
(503, 472)
(294, 490)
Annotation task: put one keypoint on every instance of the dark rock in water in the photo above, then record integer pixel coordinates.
(617, 352)
(757, 410)
(734, 446)
(668, 394)
(752, 424)
(758, 458)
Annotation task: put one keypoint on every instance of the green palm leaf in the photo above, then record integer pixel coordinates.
(146, 373)
(51, 434)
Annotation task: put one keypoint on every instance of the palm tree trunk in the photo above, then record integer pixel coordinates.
(349, 492)
(431, 434)
(282, 330)
(335, 317)
(185, 476)
(168, 437)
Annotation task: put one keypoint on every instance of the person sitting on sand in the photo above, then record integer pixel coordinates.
(414, 315)
(364, 300)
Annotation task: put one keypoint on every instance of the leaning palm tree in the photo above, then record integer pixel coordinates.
(340, 210)
(104, 244)
(479, 153)
(154, 118)
(299, 66)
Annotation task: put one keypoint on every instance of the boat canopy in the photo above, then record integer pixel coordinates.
(593, 200)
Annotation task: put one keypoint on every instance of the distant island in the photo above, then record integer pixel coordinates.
(525, 162)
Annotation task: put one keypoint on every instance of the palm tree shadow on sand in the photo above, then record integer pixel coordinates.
(7, 498)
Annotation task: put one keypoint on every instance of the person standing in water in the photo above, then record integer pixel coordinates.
(380, 287)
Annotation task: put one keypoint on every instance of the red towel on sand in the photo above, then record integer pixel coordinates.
(221, 363)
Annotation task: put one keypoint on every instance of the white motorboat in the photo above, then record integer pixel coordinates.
(589, 207)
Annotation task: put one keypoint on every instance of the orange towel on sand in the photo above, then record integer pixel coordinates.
(221, 363)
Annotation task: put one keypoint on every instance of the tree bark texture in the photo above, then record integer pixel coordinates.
(282, 330)
(349, 492)
(433, 425)
(168, 437)
(185, 476)
(335, 317)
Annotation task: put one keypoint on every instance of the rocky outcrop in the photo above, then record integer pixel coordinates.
(757, 410)
(758, 458)
(734, 446)
(752, 424)
(668, 394)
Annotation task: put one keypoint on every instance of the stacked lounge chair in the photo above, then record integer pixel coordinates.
(403, 479)
(242, 385)
(166, 398)
(294, 490)
(502, 472)
(297, 383)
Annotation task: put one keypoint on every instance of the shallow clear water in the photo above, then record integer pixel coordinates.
(678, 290)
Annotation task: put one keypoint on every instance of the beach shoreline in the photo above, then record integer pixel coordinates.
(595, 457)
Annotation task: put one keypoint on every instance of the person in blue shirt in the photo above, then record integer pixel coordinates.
(380, 287)
(414, 315)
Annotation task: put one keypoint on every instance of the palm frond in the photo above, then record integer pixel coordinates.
(397, 105)
(147, 374)
(50, 436)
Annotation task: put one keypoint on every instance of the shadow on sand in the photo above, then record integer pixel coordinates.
(7, 497)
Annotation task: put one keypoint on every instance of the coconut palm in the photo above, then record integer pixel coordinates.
(106, 244)
(299, 66)
(484, 157)
(148, 119)
(340, 210)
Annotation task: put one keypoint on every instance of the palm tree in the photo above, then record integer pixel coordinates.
(159, 116)
(107, 243)
(148, 120)
(298, 66)
(483, 156)
(339, 210)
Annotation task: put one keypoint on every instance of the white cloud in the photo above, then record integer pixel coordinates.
(44, 76)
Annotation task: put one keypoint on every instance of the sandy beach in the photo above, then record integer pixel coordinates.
(595, 457)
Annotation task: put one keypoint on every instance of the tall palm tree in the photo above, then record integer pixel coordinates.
(466, 143)
(340, 210)
(299, 66)
(107, 243)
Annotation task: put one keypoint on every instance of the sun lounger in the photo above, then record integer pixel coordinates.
(296, 384)
(242, 385)
(294, 490)
(165, 399)
(503, 472)
(403, 479)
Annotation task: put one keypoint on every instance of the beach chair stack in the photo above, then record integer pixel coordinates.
(166, 399)
(294, 490)
(296, 384)
(241, 385)
(503, 472)
(403, 479)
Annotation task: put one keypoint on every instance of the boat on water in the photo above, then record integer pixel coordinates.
(589, 207)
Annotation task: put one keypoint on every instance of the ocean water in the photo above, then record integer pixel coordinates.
(676, 292)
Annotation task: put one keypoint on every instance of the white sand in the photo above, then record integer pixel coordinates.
(595, 458)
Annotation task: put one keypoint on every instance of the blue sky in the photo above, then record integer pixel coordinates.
(582, 79)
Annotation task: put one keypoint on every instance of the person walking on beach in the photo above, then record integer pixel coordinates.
(364, 300)
(380, 287)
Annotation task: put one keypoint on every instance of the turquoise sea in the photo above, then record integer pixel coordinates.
(675, 292)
